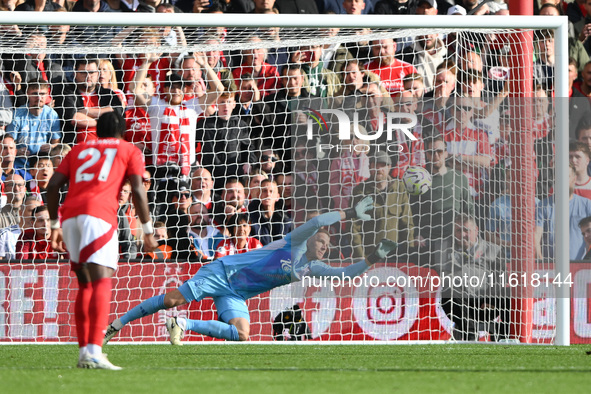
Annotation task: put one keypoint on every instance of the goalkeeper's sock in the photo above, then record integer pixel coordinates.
(151, 305)
(100, 304)
(81, 313)
(212, 328)
(82, 352)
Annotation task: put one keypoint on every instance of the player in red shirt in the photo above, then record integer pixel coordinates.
(239, 241)
(96, 170)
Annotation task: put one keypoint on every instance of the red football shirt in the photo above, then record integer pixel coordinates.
(96, 171)
(391, 76)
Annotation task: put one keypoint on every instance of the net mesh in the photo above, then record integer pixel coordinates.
(241, 123)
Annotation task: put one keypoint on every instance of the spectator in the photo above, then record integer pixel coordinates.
(108, 80)
(435, 109)
(473, 309)
(226, 149)
(215, 58)
(200, 92)
(80, 104)
(392, 217)
(163, 251)
(57, 154)
(415, 84)
(254, 181)
(263, 6)
(174, 147)
(468, 147)
(8, 156)
(579, 208)
(158, 66)
(580, 155)
(177, 219)
(449, 196)
(585, 226)
(576, 10)
(26, 214)
(268, 224)
(10, 215)
(347, 170)
(296, 7)
(138, 120)
(37, 65)
(232, 200)
(41, 170)
(202, 187)
(254, 63)
(354, 87)
(544, 65)
(239, 241)
(15, 188)
(284, 109)
(83, 34)
(250, 105)
(543, 122)
(36, 126)
(204, 237)
(579, 105)
(583, 135)
(576, 50)
(339, 7)
(486, 114)
(390, 70)
(268, 162)
(372, 109)
(582, 24)
(584, 85)
(127, 224)
(410, 152)
(321, 82)
(394, 7)
(426, 7)
(34, 243)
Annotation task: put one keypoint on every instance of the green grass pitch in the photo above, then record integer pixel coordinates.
(264, 369)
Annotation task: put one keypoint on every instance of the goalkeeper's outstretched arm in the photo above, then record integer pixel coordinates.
(382, 250)
(304, 232)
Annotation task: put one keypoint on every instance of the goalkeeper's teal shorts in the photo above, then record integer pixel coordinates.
(211, 281)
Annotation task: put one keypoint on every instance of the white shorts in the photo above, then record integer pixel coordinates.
(91, 240)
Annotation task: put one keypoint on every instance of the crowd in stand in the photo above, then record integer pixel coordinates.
(225, 174)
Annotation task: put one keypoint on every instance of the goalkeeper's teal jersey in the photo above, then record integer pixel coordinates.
(284, 261)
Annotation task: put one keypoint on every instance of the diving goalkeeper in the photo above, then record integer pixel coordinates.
(233, 279)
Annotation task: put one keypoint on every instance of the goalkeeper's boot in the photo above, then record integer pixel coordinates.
(111, 332)
(175, 331)
(98, 362)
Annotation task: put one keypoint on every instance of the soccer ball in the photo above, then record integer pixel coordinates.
(417, 180)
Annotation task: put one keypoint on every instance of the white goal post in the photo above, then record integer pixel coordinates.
(388, 23)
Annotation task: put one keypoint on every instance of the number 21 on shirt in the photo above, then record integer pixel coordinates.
(92, 156)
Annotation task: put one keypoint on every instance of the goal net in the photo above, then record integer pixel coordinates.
(451, 132)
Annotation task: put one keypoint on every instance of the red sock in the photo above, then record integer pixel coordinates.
(81, 313)
(100, 305)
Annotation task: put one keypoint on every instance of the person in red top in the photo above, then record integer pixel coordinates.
(81, 103)
(34, 243)
(580, 156)
(96, 171)
(239, 241)
(265, 75)
(176, 140)
(468, 147)
(390, 70)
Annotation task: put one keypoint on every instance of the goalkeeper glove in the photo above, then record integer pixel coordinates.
(383, 249)
(358, 211)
